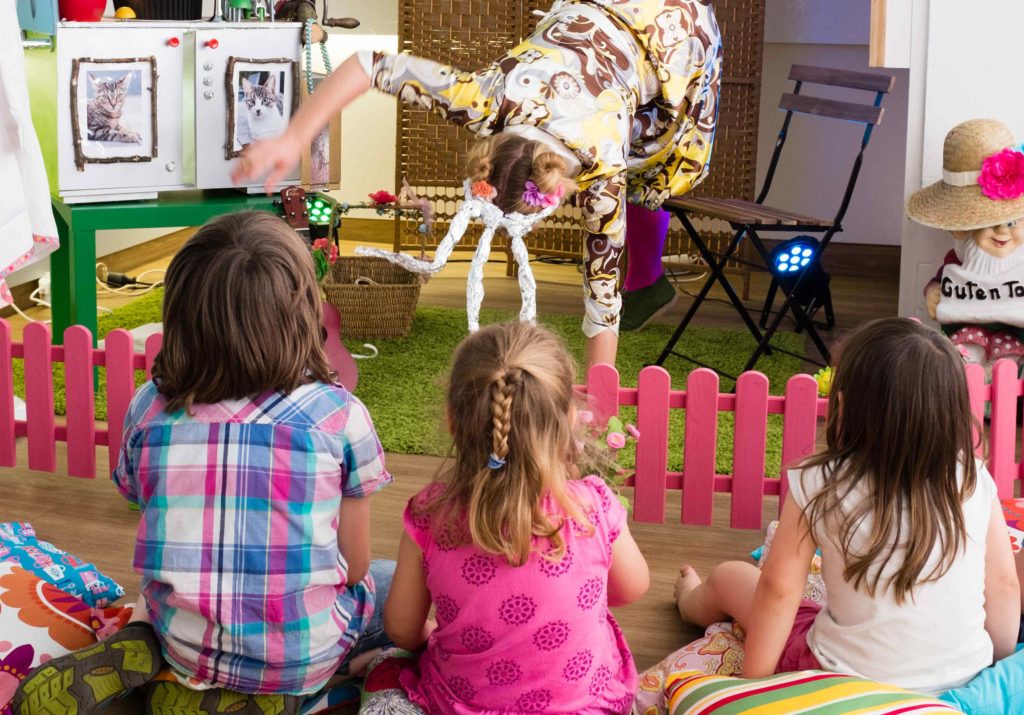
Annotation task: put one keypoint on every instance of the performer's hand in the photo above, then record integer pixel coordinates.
(275, 158)
(931, 299)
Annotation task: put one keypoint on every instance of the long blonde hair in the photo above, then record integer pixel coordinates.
(901, 425)
(507, 162)
(510, 398)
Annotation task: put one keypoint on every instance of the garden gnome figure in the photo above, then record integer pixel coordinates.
(978, 295)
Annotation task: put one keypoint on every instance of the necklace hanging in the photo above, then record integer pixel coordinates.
(321, 175)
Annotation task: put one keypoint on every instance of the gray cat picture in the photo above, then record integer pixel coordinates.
(106, 111)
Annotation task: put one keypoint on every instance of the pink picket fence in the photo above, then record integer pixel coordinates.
(748, 483)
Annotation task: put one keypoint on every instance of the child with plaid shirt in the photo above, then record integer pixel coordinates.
(252, 470)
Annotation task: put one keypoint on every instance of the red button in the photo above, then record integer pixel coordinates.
(212, 44)
(174, 42)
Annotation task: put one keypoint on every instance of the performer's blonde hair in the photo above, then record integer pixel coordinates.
(507, 162)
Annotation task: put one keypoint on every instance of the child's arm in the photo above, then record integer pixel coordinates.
(354, 536)
(278, 156)
(628, 577)
(405, 611)
(779, 591)
(1002, 590)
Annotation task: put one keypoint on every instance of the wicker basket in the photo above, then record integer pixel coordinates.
(381, 305)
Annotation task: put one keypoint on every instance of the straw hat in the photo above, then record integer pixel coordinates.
(957, 203)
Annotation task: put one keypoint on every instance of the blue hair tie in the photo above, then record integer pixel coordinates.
(495, 462)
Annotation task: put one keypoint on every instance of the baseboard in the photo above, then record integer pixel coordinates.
(858, 260)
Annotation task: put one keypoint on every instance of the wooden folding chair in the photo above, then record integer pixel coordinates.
(749, 218)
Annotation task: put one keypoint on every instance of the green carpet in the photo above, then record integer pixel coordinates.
(403, 386)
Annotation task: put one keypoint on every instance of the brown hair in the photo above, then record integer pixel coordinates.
(241, 314)
(900, 424)
(507, 162)
(510, 395)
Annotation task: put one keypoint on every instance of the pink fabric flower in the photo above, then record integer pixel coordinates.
(1002, 175)
(535, 197)
(383, 198)
(616, 440)
(632, 431)
(320, 243)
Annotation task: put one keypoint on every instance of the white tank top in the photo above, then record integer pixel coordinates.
(935, 641)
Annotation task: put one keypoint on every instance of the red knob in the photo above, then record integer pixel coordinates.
(212, 44)
(173, 42)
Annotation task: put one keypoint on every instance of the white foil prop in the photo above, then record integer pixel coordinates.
(516, 225)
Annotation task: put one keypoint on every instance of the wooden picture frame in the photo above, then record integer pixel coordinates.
(287, 67)
(83, 65)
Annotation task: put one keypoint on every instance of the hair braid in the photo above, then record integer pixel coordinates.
(501, 410)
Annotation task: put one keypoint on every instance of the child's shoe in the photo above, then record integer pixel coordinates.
(89, 678)
(172, 698)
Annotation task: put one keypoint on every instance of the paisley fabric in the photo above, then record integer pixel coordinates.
(38, 622)
(630, 86)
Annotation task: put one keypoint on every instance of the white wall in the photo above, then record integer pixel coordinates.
(819, 152)
(947, 90)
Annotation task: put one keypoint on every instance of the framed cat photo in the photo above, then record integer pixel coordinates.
(113, 110)
(262, 95)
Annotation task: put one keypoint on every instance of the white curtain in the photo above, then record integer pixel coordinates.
(27, 228)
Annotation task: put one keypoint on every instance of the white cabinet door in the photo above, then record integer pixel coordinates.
(119, 109)
(247, 85)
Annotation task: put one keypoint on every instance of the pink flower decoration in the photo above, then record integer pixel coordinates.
(383, 198)
(1002, 175)
(535, 197)
(320, 243)
(616, 440)
(632, 431)
(585, 417)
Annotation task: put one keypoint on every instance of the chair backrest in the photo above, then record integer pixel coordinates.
(869, 114)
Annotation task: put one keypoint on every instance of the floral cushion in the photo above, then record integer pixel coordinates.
(812, 692)
(38, 622)
(19, 544)
(718, 652)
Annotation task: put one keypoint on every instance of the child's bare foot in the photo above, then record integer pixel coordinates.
(687, 581)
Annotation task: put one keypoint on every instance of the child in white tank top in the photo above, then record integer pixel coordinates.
(919, 571)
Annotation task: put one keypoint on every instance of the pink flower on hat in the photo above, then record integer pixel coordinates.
(1002, 175)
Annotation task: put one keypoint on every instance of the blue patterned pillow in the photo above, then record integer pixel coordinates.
(19, 544)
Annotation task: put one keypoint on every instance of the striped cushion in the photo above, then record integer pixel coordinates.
(808, 693)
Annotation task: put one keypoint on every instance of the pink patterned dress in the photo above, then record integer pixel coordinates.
(532, 639)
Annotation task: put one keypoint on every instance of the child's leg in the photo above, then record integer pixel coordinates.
(728, 593)
(1018, 560)
(87, 679)
(373, 638)
(645, 240)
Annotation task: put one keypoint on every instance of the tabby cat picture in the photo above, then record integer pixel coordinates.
(262, 110)
(105, 110)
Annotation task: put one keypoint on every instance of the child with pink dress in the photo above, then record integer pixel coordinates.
(519, 556)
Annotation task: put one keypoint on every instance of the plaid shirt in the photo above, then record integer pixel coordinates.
(238, 539)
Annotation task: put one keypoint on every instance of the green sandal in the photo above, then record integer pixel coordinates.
(168, 698)
(89, 678)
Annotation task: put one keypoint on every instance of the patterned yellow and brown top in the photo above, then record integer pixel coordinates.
(629, 86)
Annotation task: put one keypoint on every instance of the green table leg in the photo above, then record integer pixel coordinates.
(73, 280)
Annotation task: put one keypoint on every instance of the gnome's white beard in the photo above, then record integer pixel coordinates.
(983, 289)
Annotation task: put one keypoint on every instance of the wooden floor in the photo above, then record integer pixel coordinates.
(89, 518)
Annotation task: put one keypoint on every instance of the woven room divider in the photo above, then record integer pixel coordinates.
(469, 34)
